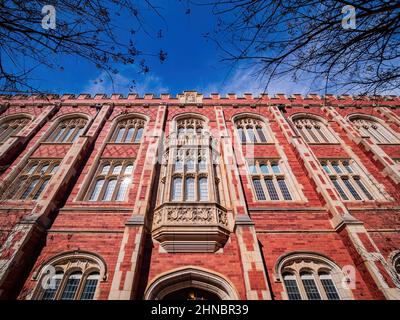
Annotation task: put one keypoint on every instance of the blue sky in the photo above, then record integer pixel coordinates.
(193, 63)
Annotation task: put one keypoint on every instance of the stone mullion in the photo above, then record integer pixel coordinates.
(211, 179)
(341, 216)
(392, 170)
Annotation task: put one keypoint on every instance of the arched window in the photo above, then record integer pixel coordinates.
(68, 130)
(112, 180)
(308, 276)
(32, 180)
(373, 128)
(77, 277)
(128, 131)
(190, 126)
(12, 127)
(251, 130)
(313, 130)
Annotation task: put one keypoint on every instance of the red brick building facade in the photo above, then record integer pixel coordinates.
(199, 197)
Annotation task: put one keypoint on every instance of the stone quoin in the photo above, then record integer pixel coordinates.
(199, 197)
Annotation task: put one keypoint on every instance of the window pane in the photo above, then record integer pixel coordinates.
(326, 168)
(44, 169)
(202, 165)
(271, 189)
(96, 190)
(337, 168)
(109, 190)
(284, 189)
(189, 189)
(30, 188)
(40, 190)
(259, 190)
(203, 189)
(190, 166)
(49, 293)
(339, 189)
(364, 189)
(32, 169)
(117, 169)
(310, 287)
(291, 287)
(275, 168)
(252, 168)
(177, 189)
(189, 130)
(250, 134)
(264, 168)
(105, 169)
(58, 135)
(350, 187)
(139, 135)
(68, 135)
(129, 135)
(122, 189)
(90, 287)
(129, 169)
(178, 165)
(261, 135)
(55, 168)
(181, 131)
(242, 136)
(71, 286)
(348, 167)
(77, 134)
(329, 287)
(120, 134)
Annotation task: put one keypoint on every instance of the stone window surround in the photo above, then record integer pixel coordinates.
(311, 120)
(359, 172)
(18, 120)
(370, 120)
(80, 121)
(285, 174)
(296, 262)
(255, 121)
(17, 190)
(69, 262)
(108, 176)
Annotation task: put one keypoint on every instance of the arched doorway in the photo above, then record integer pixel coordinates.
(190, 284)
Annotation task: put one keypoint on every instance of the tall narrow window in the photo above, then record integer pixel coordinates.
(203, 189)
(71, 286)
(189, 189)
(50, 292)
(112, 180)
(310, 287)
(242, 136)
(259, 190)
(90, 286)
(284, 189)
(329, 286)
(128, 131)
(261, 134)
(291, 287)
(177, 189)
(271, 189)
(250, 134)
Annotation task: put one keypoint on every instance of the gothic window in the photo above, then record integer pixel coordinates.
(128, 131)
(68, 130)
(269, 180)
(76, 278)
(32, 180)
(190, 165)
(251, 130)
(112, 180)
(12, 127)
(348, 180)
(313, 130)
(190, 126)
(311, 277)
(374, 129)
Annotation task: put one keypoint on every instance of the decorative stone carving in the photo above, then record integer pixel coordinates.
(191, 227)
(190, 97)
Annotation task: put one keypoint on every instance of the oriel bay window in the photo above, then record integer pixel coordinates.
(348, 180)
(269, 180)
(112, 180)
(32, 180)
(68, 130)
